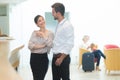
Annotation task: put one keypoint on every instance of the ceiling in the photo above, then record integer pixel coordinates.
(3, 2)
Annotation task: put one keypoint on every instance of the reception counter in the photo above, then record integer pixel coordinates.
(7, 72)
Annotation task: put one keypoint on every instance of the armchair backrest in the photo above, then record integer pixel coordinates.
(15, 58)
(112, 58)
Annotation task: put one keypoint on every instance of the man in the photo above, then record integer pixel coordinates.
(63, 44)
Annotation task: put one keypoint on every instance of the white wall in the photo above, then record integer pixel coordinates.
(97, 18)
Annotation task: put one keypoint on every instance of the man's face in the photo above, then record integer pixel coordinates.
(54, 14)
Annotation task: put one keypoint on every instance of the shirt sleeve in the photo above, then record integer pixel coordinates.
(31, 43)
(69, 40)
(49, 40)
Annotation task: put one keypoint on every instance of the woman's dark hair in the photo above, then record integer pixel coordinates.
(59, 7)
(36, 18)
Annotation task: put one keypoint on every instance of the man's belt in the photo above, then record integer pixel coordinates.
(57, 55)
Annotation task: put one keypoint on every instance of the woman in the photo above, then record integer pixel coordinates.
(97, 53)
(40, 44)
(85, 42)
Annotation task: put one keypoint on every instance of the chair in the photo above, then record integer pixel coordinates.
(81, 51)
(112, 58)
(15, 58)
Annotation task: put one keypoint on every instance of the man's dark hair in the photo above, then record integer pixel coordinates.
(59, 7)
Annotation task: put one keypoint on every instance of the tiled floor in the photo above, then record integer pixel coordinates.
(76, 74)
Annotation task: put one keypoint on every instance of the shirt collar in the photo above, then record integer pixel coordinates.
(62, 21)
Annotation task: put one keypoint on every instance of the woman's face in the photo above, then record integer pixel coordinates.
(41, 22)
(86, 39)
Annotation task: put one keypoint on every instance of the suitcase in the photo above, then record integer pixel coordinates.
(88, 61)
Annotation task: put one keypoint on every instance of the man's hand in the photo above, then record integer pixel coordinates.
(60, 59)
